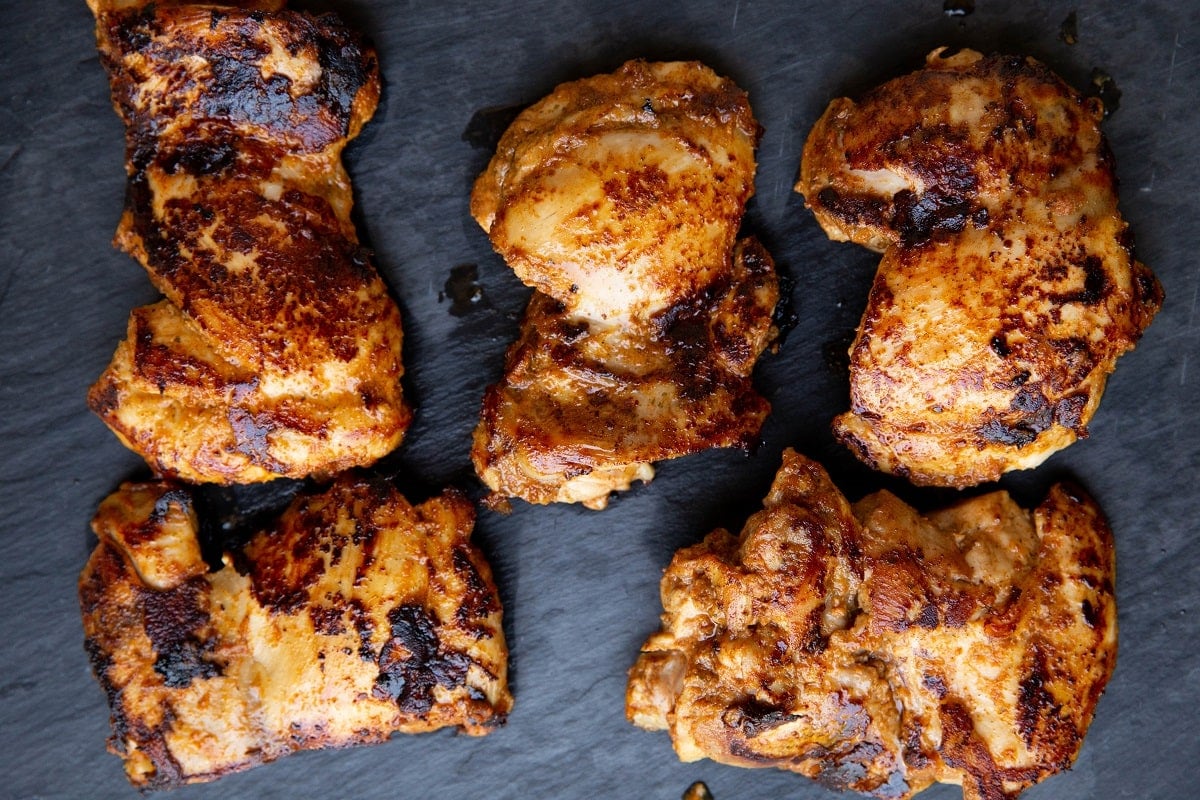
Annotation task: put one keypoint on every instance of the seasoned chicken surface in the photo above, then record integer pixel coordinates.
(1007, 288)
(879, 651)
(618, 198)
(353, 617)
(277, 349)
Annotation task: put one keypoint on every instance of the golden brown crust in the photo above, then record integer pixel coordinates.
(279, 351)
(355, 616)
(874, 649)
(622, 194)
(618, 198)
(1007, 288)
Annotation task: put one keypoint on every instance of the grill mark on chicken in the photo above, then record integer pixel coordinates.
(413, 661)
(969, 646)
(989, 189)
(282, 352)
(176, 623)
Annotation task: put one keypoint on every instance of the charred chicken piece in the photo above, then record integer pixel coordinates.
(880, 651)
(277, 349)
(353, 617)
(1007, 288)
(618, 198)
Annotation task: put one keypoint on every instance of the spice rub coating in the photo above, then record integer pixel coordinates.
(878, 650)
(1008, 286)
(276, 351)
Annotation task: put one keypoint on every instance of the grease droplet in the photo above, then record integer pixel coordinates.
(463, 289)
(958, 8)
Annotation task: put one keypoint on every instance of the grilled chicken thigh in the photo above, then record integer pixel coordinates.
(277, 349)
(876, 650)
(618, 198)
(353, 617)
(1007, 288)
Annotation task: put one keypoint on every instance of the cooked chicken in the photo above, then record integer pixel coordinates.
(353, 617)
(876, 650)
(277, 349)
(618, 198)
(1007, 288)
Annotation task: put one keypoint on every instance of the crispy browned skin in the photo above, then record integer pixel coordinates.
(618, 198)
(1007, 288)
(353, 617)
(277, 349)
(879, 651)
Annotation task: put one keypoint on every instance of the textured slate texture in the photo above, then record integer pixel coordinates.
(580, 588)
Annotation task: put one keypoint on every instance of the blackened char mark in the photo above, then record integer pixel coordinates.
(347, 63)
(1038, 715)
(1149, 291)
(201, 156)
(175, 622)
(1068, 412)
(282, 576)
(240, 90)
(235, 45)
(684, 327)
(919, 218)
(854, 210)
(962, 749)
(478, 598)
(250, 432)
(364, 626)
(328, 620)
(857, 769)
(413, 662)
(1033, 416)
(1095, 285)
(752, 717)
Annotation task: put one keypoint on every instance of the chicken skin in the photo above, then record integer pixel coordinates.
(1007, 288)
(618, 199)
(880, 651)
(353, 617)
(276, 351)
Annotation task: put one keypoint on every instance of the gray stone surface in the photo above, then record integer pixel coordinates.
(580, 588)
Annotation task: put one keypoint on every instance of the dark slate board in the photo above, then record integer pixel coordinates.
(580, 588)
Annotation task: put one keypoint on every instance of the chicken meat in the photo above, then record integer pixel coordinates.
(276, 351)
(354, 616)
(878, 650)
(1008, 287)
(618, 199)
